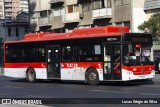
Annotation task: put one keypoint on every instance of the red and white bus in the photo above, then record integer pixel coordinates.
(108, 53)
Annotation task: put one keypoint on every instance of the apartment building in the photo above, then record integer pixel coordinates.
(66, 15)
(9, 9)
(151, 7)
(24, 6)
(1, 9)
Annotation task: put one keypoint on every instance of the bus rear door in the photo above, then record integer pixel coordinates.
(112, 61)
(53, 62)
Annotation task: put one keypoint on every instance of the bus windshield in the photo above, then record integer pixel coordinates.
(137, 49)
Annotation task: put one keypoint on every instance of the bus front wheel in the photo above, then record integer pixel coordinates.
(92, 77)
(31, 75)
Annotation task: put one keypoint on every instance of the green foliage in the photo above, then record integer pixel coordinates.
(152, 26)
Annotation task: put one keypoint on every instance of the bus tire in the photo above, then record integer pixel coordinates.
(31, 75)
(92, 77)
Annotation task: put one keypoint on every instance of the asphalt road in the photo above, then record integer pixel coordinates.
(20, 88)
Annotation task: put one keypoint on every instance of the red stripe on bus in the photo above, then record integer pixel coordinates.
(139, 70)
(25, 65)
(97, 65)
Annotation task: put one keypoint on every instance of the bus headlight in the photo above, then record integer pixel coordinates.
(134, 69)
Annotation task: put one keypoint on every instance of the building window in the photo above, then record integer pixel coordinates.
(25, 30)
(17, 32)
(9, 31)
(56, 12)
(109, 3)
(86, 7)
(98, 4)
(73, 8)
(126, 2)
(43, 13)
(118, 2)
(70, 9)
(59, 11)
(118, 23)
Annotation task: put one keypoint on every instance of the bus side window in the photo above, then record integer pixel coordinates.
(66, 53)
(78, 53)
(41, 55)
(92, 52)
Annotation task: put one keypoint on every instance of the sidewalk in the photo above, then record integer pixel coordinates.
(157, 76)
(1, 74)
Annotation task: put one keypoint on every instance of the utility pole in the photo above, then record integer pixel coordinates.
(29, 13)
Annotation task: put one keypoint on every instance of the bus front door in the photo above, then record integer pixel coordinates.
(53, 62)
(112, 61)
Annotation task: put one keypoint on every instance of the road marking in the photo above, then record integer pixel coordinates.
(151, 86)
(36, 96)
(148, 94)
(1, 94)
(12, 87)
(125, 92)
(110, 91)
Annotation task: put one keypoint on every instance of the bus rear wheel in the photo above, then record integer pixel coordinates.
(92, 77)
(31, 75)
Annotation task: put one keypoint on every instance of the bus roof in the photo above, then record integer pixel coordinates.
(75, 34)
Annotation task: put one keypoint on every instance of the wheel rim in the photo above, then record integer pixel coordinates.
(31, 75)
(92, 76)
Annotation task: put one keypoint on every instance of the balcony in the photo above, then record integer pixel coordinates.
(45, 21)
(71, 17)
(102, 13)
(56, 1)
(8, 10)
(7, 1)
(8, 15)
(8, 5)
(71, 2)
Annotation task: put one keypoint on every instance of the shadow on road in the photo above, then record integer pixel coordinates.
(70, 82)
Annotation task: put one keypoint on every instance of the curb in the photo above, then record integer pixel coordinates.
(1, 74)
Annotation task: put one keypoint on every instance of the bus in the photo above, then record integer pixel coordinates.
(109, 53)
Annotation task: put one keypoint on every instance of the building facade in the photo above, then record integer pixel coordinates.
(66, 15)
(9, 9)
(1, 9)
(11, 30)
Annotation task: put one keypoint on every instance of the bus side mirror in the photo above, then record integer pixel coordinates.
(130, 48)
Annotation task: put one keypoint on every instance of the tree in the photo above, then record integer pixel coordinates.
(152, 26)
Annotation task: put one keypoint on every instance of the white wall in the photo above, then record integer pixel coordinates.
(138, 14)
(44, 4)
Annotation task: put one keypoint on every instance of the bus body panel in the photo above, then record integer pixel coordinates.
(19, 69)
(77, 70)
(69, 70)
(129, 75)
(41, 73)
